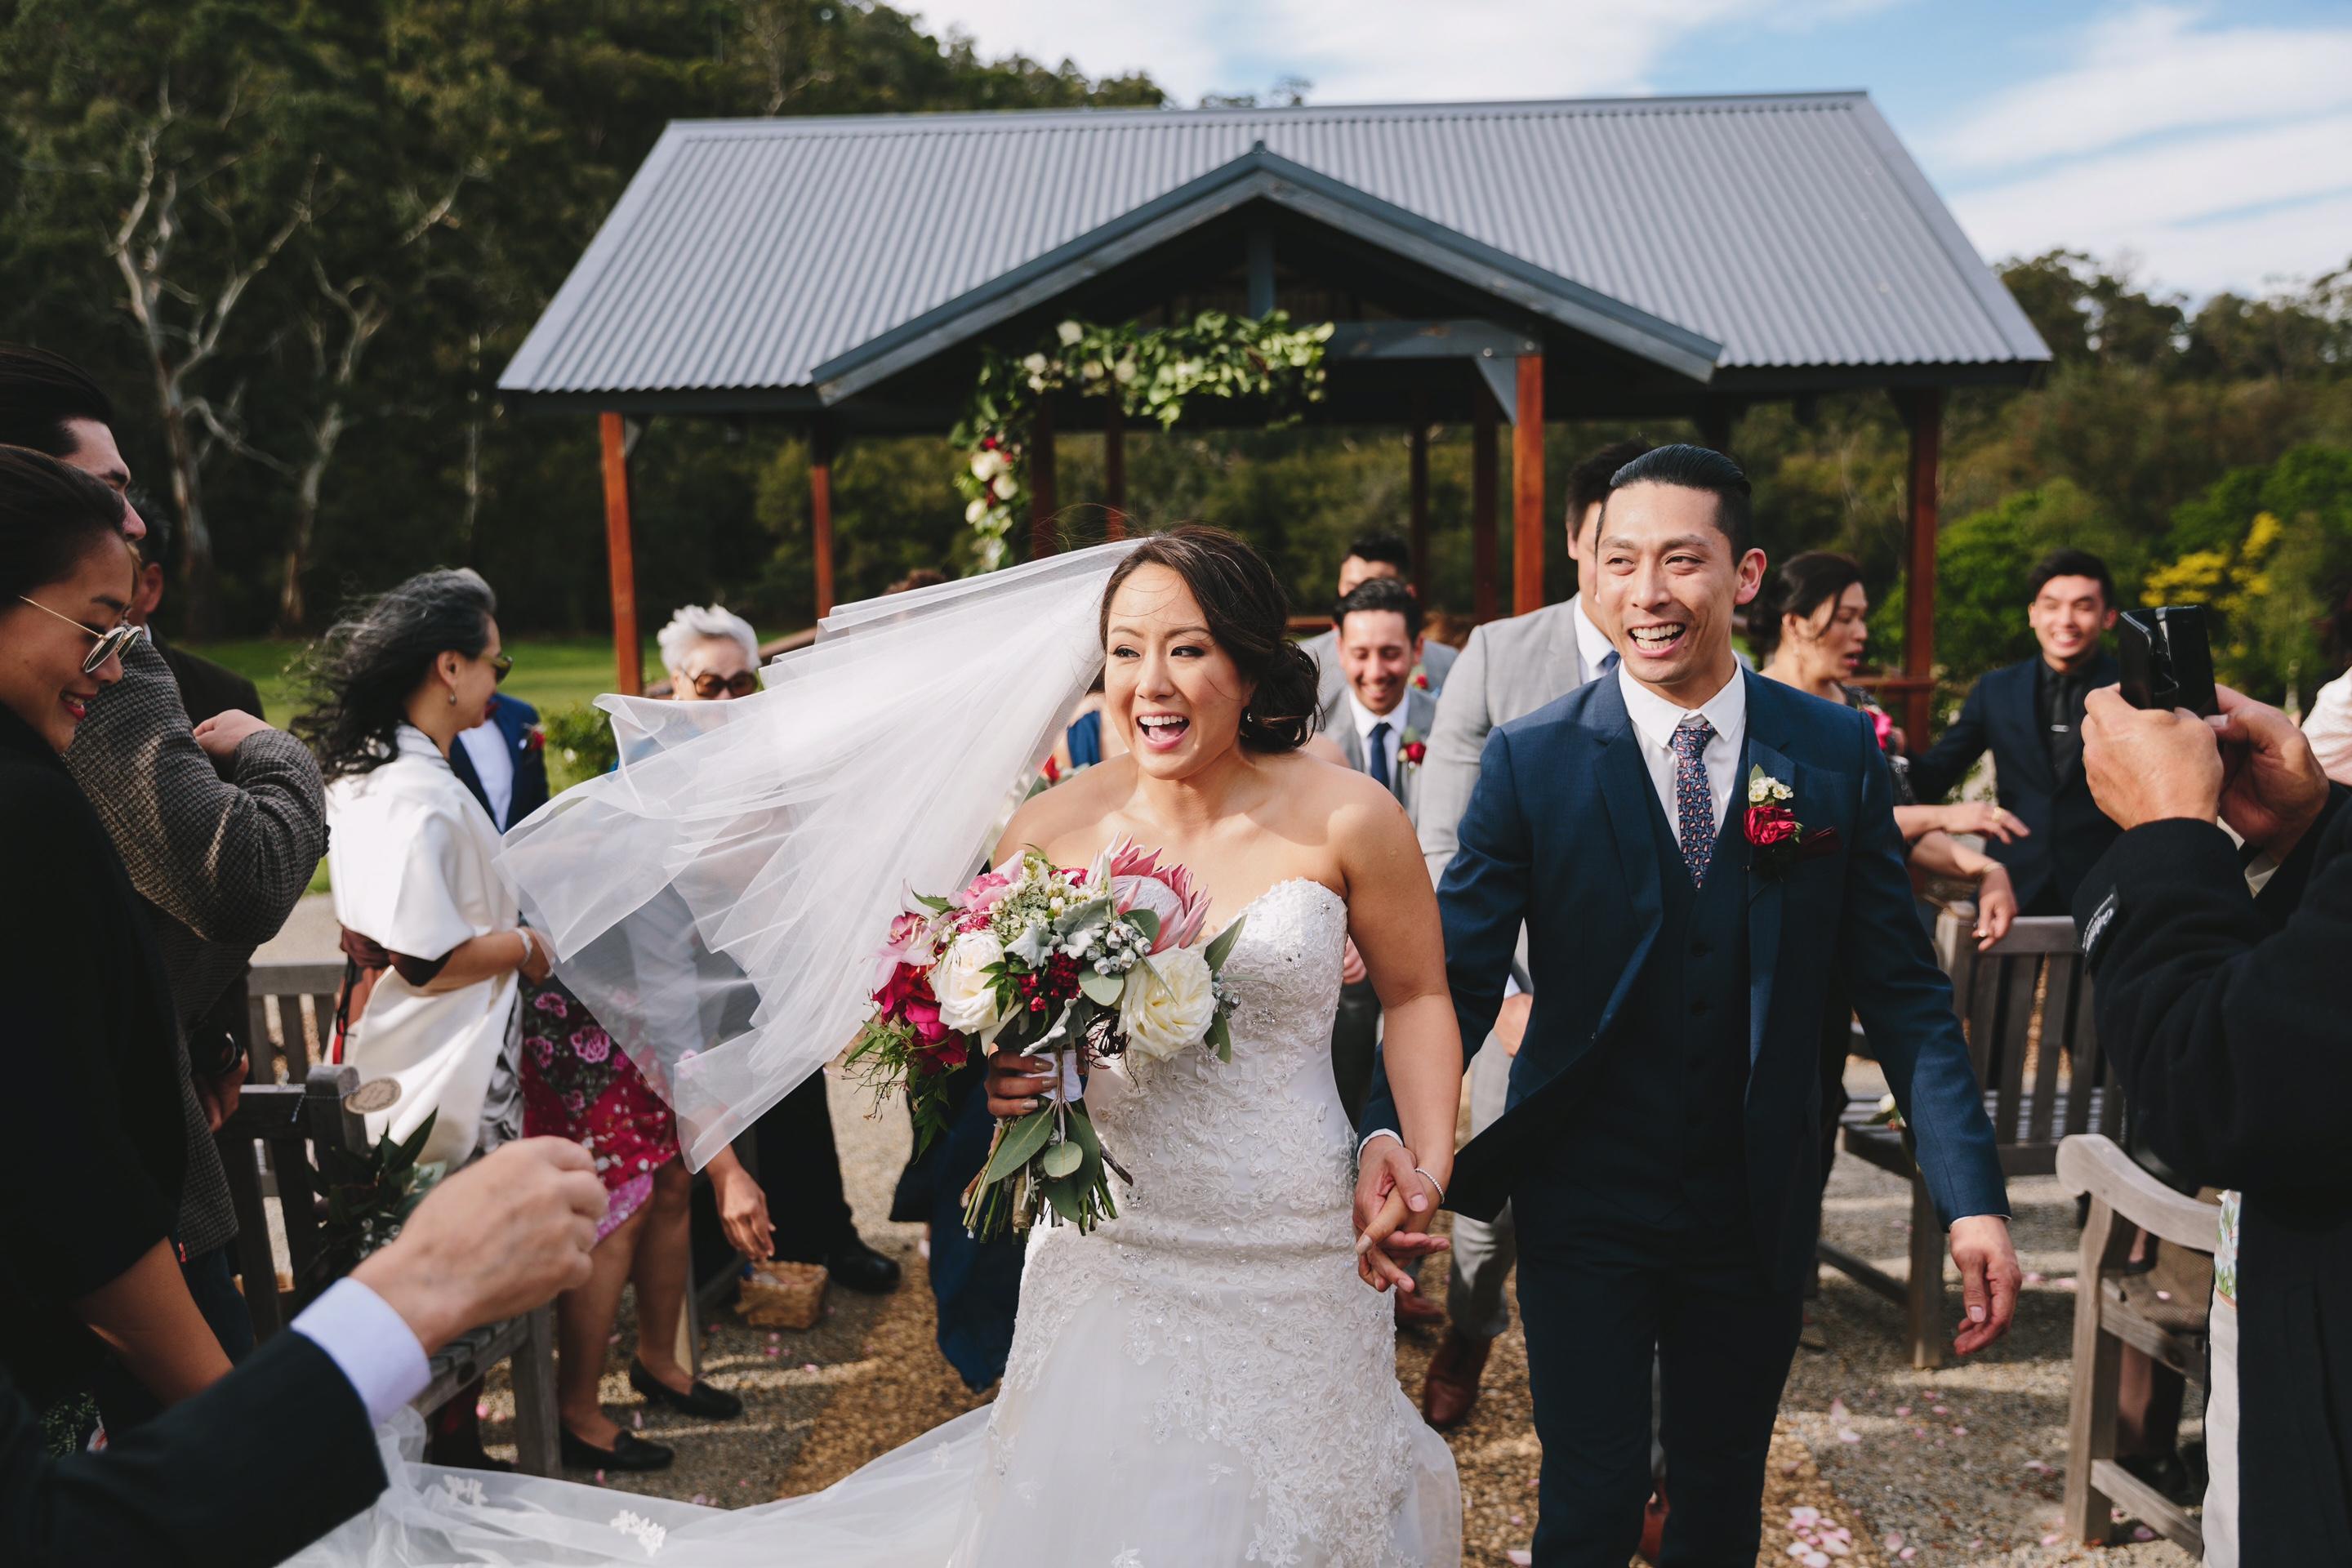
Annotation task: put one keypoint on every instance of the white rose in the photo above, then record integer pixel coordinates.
(1168, 1005)
(987, 464)
(967, 996)
(1123, 371)
(976, 511)
(1070, 333)
(1004, 489)
(1034, 364)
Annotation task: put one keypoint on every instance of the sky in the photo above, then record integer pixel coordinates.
(2206, 145)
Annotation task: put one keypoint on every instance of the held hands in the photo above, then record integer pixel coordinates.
(495, 1240)
(1390, 1195)
(221, 735)
(1989, 1279)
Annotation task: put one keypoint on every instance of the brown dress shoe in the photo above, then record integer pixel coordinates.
(1415, 1311)
(1452, 1387)
(1654, 1527)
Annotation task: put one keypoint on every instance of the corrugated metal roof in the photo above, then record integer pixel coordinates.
(1793, 230)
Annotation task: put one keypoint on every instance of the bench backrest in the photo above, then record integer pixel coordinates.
(2029, 997)
(290, 1018)
(265, 1148)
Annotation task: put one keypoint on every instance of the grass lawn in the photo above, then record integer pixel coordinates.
(549, 672)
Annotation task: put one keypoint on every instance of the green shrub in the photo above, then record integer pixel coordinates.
(579, 744)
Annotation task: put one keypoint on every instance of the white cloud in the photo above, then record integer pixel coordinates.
(2149, 71)
(1365, 51)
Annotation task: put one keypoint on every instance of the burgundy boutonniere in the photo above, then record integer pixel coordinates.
(1421, 678)
(534, 739)
(1413, 750)
(1776, 839)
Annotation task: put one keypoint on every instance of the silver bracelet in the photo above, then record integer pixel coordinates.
(530, 947)
(1433, 1181)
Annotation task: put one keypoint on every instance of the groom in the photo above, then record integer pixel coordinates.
(1660, 1148)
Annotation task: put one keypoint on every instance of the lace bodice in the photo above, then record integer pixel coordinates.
(1231, 1260)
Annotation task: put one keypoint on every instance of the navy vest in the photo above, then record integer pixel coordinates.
(1662, 1125)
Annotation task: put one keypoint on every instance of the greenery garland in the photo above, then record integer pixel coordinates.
(1152, 373)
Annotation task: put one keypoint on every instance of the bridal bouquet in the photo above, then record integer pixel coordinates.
(1073, 964)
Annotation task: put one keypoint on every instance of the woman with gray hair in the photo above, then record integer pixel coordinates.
(711, 653)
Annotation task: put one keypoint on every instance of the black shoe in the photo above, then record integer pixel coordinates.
(629, 1452)
(858, 1267)
(710, 1404)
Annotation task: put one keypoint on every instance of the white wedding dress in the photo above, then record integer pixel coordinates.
(1204, 1380)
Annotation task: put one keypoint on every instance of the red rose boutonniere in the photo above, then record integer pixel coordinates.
(1411, 749)
(1777, 841)
(535, 739)
(1421, 678)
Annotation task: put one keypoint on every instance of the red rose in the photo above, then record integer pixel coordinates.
(1413, 753)
(535, 740)
(1770, 824)
(1421, 678)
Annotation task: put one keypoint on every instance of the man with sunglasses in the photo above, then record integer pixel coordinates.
(219, 855)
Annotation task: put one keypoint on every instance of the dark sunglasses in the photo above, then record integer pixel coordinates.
(742, 683)
(498, 667)
(109, 643)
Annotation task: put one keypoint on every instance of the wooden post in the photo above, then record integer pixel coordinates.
(621, 562)
(1484, 563)
(1527, 490)
(821, 452)
(1042, 502)
(1924, 412)
(1417, 488)
(1114, 469)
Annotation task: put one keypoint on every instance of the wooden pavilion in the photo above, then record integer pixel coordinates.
(1485, 264)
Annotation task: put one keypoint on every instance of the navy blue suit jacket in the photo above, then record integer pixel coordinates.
(1558, 836)
(2068, 832)
(518, 722)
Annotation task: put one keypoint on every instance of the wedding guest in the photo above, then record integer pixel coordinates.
(1809, 624)
(1373, 555)
(1508, 669)
(88, 1258)
(2030, 716)
(489, 1243)
(713, 656)
(503, 761)
(220, 825)
(2219, 1008)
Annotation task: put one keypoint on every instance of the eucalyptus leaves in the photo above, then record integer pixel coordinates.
(1152, 373)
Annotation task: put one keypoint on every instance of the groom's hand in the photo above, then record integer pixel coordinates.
(1989, 1279)
(1391, 1196)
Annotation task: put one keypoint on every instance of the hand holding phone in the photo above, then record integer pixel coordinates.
(2167, 659)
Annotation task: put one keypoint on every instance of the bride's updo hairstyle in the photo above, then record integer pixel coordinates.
(1249, 617)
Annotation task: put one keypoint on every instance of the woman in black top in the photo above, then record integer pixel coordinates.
(87, 1259)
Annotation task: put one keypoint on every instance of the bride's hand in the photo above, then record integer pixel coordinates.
(1016, 1084)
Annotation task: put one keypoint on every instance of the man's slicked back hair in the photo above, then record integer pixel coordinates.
(40, 394)
(1587, 482)
(1696, 469)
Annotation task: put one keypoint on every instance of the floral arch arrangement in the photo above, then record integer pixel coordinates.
(1152, 373)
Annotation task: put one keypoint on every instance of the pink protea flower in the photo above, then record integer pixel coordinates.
(980, 898)
(1139, 882)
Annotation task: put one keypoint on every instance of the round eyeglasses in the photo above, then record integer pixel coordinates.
(110, 642)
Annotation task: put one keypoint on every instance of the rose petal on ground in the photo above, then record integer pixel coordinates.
(1943, 1410)
(1518, 1519)
(1816, 1559)
(1893, 1540)
(808, 1366)
(1907, 1553)
(2050, 1540)
(1848, 1435)
(481, 1410)
(1804, 1516)
(1518, 1557)
(2142, 1532)
(1960, 1431)
(2164, 1295)
(2033, 1278)
(637, 1419)
(1837, 1410)
(1902, 1410)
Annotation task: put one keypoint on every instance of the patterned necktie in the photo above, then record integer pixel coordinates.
(1376, 754)
(1694, 802)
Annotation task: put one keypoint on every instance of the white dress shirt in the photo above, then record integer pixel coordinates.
(1592, 644)
(1366, 719)
(486, 748)
(1655, 722)
(370, 1344)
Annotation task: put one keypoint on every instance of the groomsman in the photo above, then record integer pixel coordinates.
(1373, 555)
(1510, 667)
(503, 759)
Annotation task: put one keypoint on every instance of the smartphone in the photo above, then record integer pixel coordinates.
(2167, 659)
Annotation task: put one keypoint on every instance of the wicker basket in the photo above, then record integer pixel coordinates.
(782, 1295)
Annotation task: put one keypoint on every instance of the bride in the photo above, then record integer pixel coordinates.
(1202, 1380)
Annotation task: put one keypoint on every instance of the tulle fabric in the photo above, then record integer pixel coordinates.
(718, 899)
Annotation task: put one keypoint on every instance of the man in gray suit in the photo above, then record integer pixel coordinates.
(1509, 668)
(1374, 555)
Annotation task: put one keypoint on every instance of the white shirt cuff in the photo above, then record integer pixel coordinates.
(1383, 1132)
(370, 1344)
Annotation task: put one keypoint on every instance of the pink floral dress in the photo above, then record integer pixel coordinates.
(577, 1084)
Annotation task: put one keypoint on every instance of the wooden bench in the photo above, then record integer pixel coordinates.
(2026, 998)
(2113, 1309)
(265, 1148)
(290, 1018)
